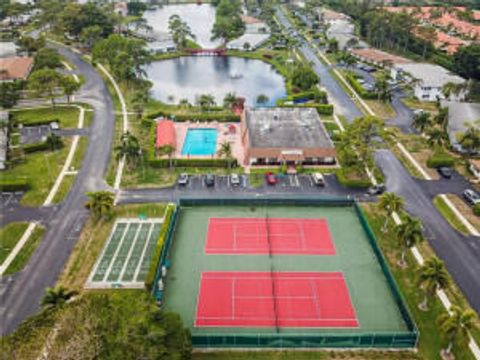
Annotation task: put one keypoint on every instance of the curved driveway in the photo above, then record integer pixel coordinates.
(21, 293)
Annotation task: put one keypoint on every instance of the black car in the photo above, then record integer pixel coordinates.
(445, 172)
(376, 189)
(210, 180)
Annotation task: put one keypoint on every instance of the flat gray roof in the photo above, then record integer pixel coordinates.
(286, 128)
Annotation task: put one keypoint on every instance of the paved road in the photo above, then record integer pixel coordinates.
(344, 105)
(20, 295)
(404, 115)
(301, 185)
(460, 253)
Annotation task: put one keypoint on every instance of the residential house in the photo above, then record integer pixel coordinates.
(15, 68)
(428, 80)
(254, 25)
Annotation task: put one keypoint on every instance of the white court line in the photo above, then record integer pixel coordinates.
(273, 318)
(314, 289)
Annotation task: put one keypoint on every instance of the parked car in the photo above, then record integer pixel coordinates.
(235, 180)
(376, 189)
(210, 180)
(445, 172)
(472, 197)
(183, 179)
(271, 178)
(318, 179)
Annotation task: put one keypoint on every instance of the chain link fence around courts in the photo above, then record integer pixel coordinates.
(398, 339)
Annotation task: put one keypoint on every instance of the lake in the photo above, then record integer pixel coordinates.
(188, 77)
(200, 18)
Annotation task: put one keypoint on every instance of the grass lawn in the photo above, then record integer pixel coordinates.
(26, 252)
(448, 214)
(414, 103)
(431, 341)
(92, 239)
(382, 109)
(406, 163)
(41, 170)
(67, 115)
(465, 209)
(10, 234)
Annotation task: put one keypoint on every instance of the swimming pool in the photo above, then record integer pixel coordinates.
(200, 142)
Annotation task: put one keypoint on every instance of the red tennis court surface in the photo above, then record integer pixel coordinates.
(260, 236)
(278, 299)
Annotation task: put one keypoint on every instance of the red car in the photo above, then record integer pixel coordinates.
(271, 178)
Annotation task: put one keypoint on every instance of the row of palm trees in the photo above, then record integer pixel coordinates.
(432, 275)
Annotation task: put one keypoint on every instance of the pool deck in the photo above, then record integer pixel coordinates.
(223, 135)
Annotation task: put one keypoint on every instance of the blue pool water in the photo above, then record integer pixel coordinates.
(200, 142)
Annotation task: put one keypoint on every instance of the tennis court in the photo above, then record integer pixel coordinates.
(278, 299)
(269, 235)
(271, 275)
(125, 259)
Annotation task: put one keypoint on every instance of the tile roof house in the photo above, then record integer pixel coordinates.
(378, 57)
(15, 68)
(254, 25)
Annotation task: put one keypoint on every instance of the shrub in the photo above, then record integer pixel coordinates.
(343, 178)
(156, 257)
(352, 80)
(39, 146)
(476, 209)
(14, 185)
(164, 162)
(203, 117)
(439, 159)
(38, 122)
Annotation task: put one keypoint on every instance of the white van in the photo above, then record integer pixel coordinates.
(318, 179)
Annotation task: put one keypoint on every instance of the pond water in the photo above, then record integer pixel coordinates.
(188, 77)
(200, 18)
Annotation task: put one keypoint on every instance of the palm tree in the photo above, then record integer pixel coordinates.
(225, 151)
(262, 99)
(458, 322)
(229, 99)
(470, 139)
(451, 88)
(184, 103)
(129, 148)
(422, 121)
(206, 101)
(441, 118)
(409, 233)
(180, 31)
(56, 297)
(140, 99)
(167, 150)
(437, 138)
(433, 276)
(390, 203)
(383, 89)
(100, 202)
(54, 141)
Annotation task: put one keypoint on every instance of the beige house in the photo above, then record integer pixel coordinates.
(291, 136)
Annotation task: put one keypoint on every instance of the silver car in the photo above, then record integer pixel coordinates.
(235, 180)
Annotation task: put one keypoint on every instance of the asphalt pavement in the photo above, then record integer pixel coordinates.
(460, 253)
(20, 294)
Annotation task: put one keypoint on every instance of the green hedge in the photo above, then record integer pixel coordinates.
(440, 159)
(476, 209)
(39, 146)
(163, 163)
(342, 177)
(203, 117)
(154, 263)
(352, 80)
(14, 185)
(30, 123)
(322, 109)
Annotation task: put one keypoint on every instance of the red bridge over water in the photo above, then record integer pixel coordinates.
(210, 52)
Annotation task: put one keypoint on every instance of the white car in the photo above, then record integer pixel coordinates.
(235, 179)
(318, 179)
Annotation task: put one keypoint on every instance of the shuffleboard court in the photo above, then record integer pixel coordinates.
(275, 299)
(126, 257)
(292, 236)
